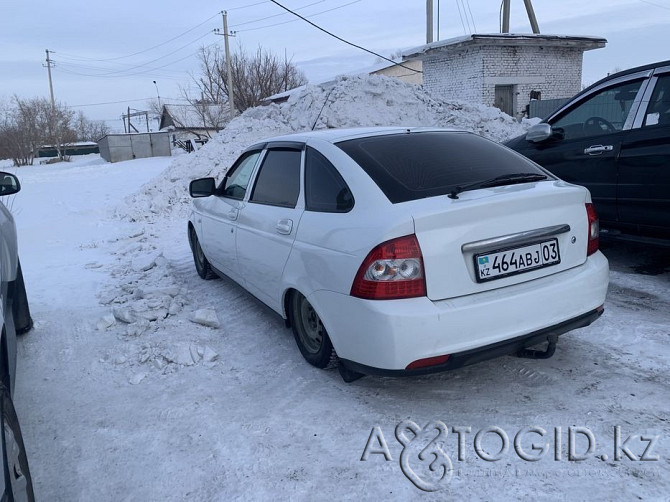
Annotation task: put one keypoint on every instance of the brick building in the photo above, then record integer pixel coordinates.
(505, 70)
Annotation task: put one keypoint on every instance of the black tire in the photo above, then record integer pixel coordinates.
(310, 334)
(20, 307)
(202, 266)
(15, 461)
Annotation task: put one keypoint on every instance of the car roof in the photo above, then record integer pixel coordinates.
(337, 135)
(630, 71)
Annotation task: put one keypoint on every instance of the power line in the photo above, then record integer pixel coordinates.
(471, 16)
(342, 39)
(458, 5)
(158, 58)
(465, 15)
(110, 102)
(655, 4)
(250, 5)
(276, 15)
(142, 51)
(122, 101)
(295, 20)
(124, 72)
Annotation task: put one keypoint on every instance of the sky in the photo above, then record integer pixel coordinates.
(107, 55)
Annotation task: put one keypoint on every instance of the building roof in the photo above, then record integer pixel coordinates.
(584, 43)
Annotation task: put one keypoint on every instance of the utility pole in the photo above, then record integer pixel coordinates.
(231, 100)
(429, 21)
(531, 17)
(529, 10)
(505, 20)
(51, 87)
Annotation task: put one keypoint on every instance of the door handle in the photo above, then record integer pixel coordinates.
(232, 214)
(598, 149)
(284, 226)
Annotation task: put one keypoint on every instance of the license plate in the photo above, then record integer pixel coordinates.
(503, 263)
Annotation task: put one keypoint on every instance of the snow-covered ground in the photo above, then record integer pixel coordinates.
(122, 396)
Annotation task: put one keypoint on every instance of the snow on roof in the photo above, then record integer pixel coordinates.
(583, 42)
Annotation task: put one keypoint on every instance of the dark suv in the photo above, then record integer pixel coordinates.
(614, 139)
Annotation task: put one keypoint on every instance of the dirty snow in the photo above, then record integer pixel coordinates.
(142, 382)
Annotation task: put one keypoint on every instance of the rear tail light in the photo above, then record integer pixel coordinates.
(594, 229)
(391, 271)
(428, 362)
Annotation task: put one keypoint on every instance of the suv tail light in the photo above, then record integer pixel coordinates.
(392, 270)
(594, 229)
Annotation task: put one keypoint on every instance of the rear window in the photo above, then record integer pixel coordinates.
(427, 164)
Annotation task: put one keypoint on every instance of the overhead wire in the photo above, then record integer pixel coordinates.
(465, 15)
(142, 51)
(461, 16)
(247, 6)
(105, 72)
(296, 20)
(471, 16)
(343, 40)
(123, 101)
(655, 4)
(275, 15)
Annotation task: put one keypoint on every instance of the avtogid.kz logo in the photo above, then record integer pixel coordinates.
(425, 462)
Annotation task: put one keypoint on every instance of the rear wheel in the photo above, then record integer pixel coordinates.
(15, 465)
(202, 266)
(310, 334)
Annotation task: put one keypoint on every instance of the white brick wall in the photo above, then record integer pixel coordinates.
(470, 73)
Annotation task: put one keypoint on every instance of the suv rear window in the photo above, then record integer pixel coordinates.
(427, 164)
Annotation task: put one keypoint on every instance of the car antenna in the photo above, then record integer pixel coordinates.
(324, 105)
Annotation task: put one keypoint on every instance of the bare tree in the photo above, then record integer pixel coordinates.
(13, 143)
(255, 76)
(28, 124)
(90, 130)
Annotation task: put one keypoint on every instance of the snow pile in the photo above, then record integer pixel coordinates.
(360, 101)
(143, 298)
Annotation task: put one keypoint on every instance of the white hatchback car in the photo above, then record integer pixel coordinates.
(402, 251)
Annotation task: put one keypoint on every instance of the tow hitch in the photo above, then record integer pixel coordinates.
(540, 354)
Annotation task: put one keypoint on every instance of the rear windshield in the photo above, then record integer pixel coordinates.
(427, 164)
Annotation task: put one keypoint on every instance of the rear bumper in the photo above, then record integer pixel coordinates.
(384, 337)
(484, 353)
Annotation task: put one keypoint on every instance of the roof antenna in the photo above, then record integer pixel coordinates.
(324, 105)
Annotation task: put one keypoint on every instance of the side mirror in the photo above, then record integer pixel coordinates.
(203, 187)
(539, 133)
(9, 184)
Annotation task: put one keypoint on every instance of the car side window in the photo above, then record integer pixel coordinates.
(278, 181)
(605, 112)
(658, 111)
(325, 190)
(237, 179)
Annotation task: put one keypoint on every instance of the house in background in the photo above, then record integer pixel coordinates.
(191, 125)
(407, 70)
(505, 70)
